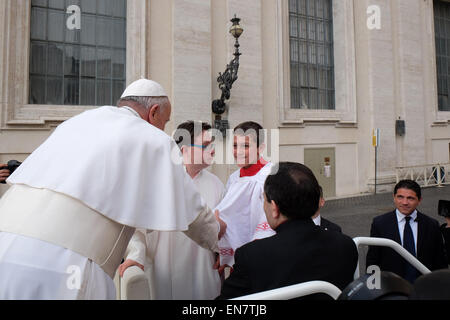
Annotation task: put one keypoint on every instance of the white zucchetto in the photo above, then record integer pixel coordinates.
(144, 88)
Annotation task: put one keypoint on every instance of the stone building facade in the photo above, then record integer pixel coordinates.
(383, 67)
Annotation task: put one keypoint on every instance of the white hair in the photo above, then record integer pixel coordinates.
(147, 102)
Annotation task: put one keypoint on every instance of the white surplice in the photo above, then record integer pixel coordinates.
(242, 208)
(116, 164)
(176, 267)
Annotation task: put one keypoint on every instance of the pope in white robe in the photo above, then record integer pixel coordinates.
(177, 268)
(75, 202)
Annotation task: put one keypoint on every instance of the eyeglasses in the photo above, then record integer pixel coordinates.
(205, 148)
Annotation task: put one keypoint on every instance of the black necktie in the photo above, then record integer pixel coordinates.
(408, 243)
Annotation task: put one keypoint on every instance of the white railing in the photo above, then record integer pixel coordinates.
(295, 291)
(425, 175)
(368, 241)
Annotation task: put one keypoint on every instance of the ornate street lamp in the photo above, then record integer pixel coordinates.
(227, 79)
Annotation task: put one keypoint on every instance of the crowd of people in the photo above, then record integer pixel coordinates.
(130, 200)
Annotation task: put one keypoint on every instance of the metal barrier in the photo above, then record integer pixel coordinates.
(295, 291)
(425, 175)
(368, 241)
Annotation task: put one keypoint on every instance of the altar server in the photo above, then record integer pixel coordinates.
(242, 207)
(177, 268)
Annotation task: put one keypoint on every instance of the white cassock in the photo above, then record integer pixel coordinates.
(177, 268)
(75, 202)
(242, 208)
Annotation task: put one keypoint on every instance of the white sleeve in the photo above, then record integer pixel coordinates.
(204, 230)
(137, 247)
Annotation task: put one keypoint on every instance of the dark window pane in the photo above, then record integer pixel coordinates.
(301, 6)
(54, 90)
(72, 61)
(37, 90)
(442, 34)
(56, 4)
(55, 59)
(38, 24)
(294, 51)
(103, 63)
(56, 25)
(118, 36)
(311, 53)
(118, 88)
(303, 75)
(89, 6)
(103, 31)
(73, 67)
(322, 99)
(118, 8)
(294, 76)
(294, 26)
(87, 92)
(304, 99)
(293, 6)
(303, 51)
(103, 92)
(119, 60)
(38, 61)
(88, 30)
(104, 7)
(88, 62)
(71, 90)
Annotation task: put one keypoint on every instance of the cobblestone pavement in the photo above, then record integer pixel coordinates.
(355, 214)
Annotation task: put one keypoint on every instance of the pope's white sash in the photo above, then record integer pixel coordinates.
(61, 220)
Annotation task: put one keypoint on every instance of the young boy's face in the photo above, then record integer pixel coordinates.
(245, 150)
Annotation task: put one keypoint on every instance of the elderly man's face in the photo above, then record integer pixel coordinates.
(162, 116)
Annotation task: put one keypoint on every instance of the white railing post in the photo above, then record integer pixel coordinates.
(439, 178)
(369, 241)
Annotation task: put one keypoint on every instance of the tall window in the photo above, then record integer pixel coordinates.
(442, 36)
(77, 66)
(311, 54)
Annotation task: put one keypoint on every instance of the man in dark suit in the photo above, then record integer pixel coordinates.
(416, 232)
(321, 221)
(300, 251)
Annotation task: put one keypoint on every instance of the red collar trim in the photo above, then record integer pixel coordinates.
(253, 169)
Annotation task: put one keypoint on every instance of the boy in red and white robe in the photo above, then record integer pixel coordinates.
(242, 206)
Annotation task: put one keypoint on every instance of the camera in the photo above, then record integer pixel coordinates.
(12, 165)
(444, 208)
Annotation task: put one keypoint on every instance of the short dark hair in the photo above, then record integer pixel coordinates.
(251, 127)
(409, 184)
(189, 126)
(295, 190)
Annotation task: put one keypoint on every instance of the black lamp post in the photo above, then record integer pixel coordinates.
(227, 79)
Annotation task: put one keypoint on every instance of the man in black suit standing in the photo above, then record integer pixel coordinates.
(416, 232)
(300, 251)
(321, 221)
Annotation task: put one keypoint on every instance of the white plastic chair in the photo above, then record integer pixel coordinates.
(134, 285)
(295, 291)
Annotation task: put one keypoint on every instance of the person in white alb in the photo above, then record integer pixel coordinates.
(242, 206)
(75, 202)
(177, 268)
